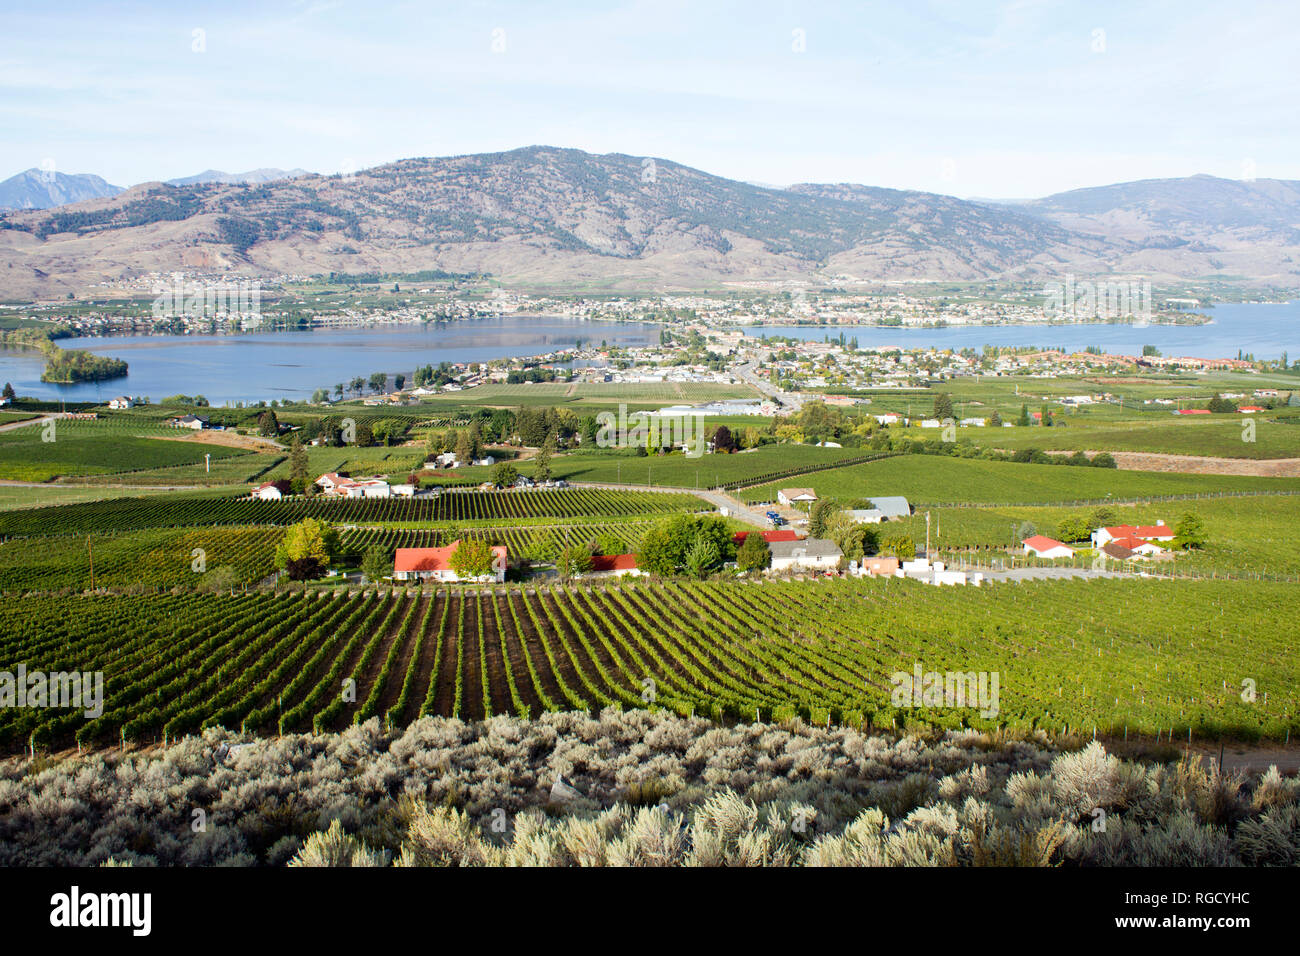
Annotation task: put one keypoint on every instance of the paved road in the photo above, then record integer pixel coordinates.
(746, 373)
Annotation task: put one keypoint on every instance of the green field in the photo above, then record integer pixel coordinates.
(1218, 436)
(1246, 536)
(1069, 656)
(940, 479)
(677, 470)
(25, 456)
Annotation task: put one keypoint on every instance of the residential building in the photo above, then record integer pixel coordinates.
(791, 496)
(1041, 546)
(615, 565)
(810, 554)
(267, 492)
(434, 564)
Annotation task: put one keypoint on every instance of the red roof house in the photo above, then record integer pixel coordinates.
(615, 564)
(783, 534)
(435, 564)
(1044, 547)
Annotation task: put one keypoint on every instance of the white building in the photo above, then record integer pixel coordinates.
(810, 554)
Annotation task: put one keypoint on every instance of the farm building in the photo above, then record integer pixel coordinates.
(194, 422)
(615, 565)
(783, 534)
(343, 487)
(790, 496)
(1118, 552)
(434, 564)
(810, 554)
(878, 565)
(1041, 546)
(120, 402)
(267, 492)
(1147, 532)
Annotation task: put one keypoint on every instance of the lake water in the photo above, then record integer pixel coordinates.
(1263, 330)
(292, 365)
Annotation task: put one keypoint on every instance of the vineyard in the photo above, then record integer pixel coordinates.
(161, 558)
(132, 513)
(77, 450)
(940, 479)
(139, 559)
(1069, 655)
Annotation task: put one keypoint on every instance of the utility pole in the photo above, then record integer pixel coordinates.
(207, 464)
(927, 536)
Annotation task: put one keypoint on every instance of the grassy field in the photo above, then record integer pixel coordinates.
(939, 479)
(679, 471)
(1218, 436)
(15, 496)
(1246, 535)
(24, 456)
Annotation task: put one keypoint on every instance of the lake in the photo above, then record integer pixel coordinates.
(292, 365)
(1263, 330)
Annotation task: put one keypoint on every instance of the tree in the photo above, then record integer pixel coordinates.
(1103, 459)
(1102, 517)
(1220, 404)
(305, 569)
(1045, 417)
(338, 390)
(308, 538)
(820, 513)
(723, 441)
(664, 547)
(701, 558)
(588, 428)
(1074, 528)
(753, 553)
(995, 420)
(1023, 421)
(9, 392)
(399, 380)
(899, 545)
(464, 449)
(224, 578)
(1190, 532)
(504, 475)
(376, 565)
(319, 396)
(574, 560)
(357, 385)
(299, 475)
(472, 558)
(378, 381)
(943, 406)
(542, 463)
(267, 424)
(365, 435)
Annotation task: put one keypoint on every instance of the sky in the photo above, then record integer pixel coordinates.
(996, 100)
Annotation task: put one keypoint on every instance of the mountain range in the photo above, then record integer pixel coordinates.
(549, 216)
(43, 189)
